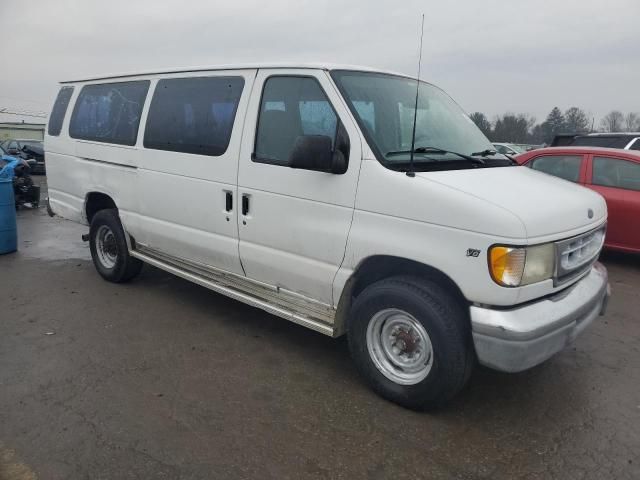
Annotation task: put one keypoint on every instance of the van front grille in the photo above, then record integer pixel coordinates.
(576, 255)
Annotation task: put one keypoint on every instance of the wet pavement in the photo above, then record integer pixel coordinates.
(161, 378)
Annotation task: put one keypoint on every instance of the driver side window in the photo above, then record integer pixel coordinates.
(291, 107)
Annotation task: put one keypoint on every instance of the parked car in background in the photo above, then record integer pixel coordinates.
(613, 173)
(525, 147)
(27, 150)
(508, 148)
(626, 141)
(563, 139)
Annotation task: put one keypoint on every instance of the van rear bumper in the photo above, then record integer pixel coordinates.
(512, 340)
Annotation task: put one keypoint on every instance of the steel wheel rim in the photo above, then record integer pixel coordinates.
(399, 346)
(106, 247)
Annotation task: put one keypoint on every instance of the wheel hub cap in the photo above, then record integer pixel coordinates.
(399, 346)
(106, 247)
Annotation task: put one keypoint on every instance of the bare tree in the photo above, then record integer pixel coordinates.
(512, 128)
(631, 122)
(612, 121)
(483, 123)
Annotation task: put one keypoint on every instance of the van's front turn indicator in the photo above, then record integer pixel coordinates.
(517, 266)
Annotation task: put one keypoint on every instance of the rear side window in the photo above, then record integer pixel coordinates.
(59, 111)
(291, 107)
(601, 141)
(563, 166)
(193, 115)
(613, 172)
(109, 112)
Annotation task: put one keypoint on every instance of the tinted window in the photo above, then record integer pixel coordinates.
(563, 166)
(613, 172)
(602, 141)
(193, 115)
(290, 107)
(59, 110)
(109, 112)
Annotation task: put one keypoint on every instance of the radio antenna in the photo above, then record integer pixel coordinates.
(410, 172)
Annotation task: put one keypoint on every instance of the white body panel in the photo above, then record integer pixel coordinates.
(307, 232)
(442, 214)
(295, 233)
(182, 196)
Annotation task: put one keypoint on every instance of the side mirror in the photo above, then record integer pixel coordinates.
(312, 152)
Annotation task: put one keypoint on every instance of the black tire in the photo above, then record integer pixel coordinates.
(123, 267)
(445, 321)
(50, 211)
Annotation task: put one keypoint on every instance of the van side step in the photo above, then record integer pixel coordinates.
(288, 305)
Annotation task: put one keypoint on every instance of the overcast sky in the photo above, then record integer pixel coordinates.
(492, 56)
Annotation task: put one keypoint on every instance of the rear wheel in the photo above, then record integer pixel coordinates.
(410, 339)
(109, 248)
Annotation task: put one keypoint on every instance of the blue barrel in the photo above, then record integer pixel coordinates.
(8, 230)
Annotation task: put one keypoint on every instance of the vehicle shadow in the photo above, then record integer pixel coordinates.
(328, 360)
(621, 259)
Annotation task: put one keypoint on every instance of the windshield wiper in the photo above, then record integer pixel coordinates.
(489, 152)
(484, 153)
(438, 151)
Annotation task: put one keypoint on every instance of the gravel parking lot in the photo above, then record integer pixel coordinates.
(161, 378)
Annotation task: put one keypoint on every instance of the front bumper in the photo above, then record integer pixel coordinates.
(512, 340)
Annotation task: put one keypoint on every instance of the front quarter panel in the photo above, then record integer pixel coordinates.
(432, 224)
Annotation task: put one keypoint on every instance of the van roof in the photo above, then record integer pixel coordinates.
(249, 66)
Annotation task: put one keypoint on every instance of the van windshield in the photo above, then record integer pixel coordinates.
(384, 104)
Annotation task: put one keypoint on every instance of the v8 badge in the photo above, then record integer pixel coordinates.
(472, 252)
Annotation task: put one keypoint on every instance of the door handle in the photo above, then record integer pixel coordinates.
(245, 204)
(228, 201)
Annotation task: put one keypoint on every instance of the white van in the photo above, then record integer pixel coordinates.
(301, 190)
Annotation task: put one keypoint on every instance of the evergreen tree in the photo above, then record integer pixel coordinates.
(553, 125)
(576, 121)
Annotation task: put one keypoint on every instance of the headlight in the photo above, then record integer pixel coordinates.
(517, 266)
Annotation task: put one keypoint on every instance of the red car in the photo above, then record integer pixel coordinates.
(613, 173)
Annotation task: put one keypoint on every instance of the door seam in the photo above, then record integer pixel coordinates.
(236, 200)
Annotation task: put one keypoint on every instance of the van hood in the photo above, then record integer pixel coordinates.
(545, 205)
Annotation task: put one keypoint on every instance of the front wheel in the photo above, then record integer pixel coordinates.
(109, 248)
(410, 339)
